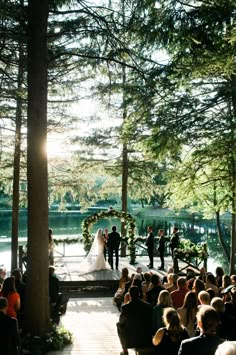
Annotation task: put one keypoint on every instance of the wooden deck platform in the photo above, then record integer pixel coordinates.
(67, 269)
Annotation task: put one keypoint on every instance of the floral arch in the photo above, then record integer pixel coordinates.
(123, 216)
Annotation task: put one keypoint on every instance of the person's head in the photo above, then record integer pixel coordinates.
(219, 271)
(233, 279)
(155, 280)
(207, 319)
(226, 348)
(161, 232)
(2, 272)
(170, 278)
(175, 230)
(164, 299)
(170, 270)
(175, 278)
(149, 229)
(3, 304)
(113, 228)
(171, 319)
(181, 282)
(233, 294)
(139, 270)
(125, 272)
(211, 279)
(204, 297)
(226, 281)
(17, 274)
(211, 292)
(147, 276)
(198, 285)
(190, 300)
(218, 304)
(134, 292)
(51, 270)
(8, 286)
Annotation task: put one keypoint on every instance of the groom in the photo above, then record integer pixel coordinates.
(113, 244)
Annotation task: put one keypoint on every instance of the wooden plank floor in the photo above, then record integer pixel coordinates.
(67, 269)
(93, 324)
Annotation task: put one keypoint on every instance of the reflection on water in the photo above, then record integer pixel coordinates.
(68, 224)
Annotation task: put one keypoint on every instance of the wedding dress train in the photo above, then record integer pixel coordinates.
(95, 260)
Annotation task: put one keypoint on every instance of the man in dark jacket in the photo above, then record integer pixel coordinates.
(9, 335)
(150, 246)
(113, 244)
(174, 240)
(208, 341)
(135, 323)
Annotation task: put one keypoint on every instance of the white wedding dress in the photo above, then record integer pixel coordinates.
(95, 260)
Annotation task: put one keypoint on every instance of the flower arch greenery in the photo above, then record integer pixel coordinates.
(123, 216)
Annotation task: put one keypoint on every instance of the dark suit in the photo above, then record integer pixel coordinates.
(135, 325)
(161, 249)
(203, 344)
(174, 242)
(150, 247)
(113, 244)
(9, 336)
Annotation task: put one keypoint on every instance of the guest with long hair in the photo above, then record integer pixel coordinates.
(164, 301)
(188, 313)
(9, 292)
(168, 339)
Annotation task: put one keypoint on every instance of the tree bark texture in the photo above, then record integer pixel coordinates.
(37, 305)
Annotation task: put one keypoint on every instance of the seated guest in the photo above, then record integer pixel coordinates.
(146, 284)
(211, 293)
(167, 340)
(204, 298)
(230, 315)
(156, 288)
(219, 276)
(174, 285)
(2, 275)
(135, 323)
(178, 295)
(188, 313)
(198, 286)
(119, 295)
(207, 342)
(218, 304)
(226, 348)
(53, 285)
(164, 301)
(20, 286)
(211, 283)
(9, 291)
(9, 335)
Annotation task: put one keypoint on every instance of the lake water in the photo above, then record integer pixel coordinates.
(68, 225)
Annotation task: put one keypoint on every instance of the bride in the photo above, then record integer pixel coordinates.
(95, 261)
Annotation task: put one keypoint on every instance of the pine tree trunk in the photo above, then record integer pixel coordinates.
(16, 164)
(37, 305)
(233, 164)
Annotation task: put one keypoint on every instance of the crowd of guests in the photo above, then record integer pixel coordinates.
(177, 315)
(12, 302)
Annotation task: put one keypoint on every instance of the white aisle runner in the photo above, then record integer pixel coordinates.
(93, 324)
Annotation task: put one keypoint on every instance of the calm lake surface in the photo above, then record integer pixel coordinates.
(68, 224)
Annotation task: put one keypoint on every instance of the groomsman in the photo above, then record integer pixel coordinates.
(161, 247)
(113, 244)
(150, 246)
(174, 240)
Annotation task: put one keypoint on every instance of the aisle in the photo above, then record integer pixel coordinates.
(93, 324)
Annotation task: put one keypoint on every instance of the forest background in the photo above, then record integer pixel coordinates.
(142, 96)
